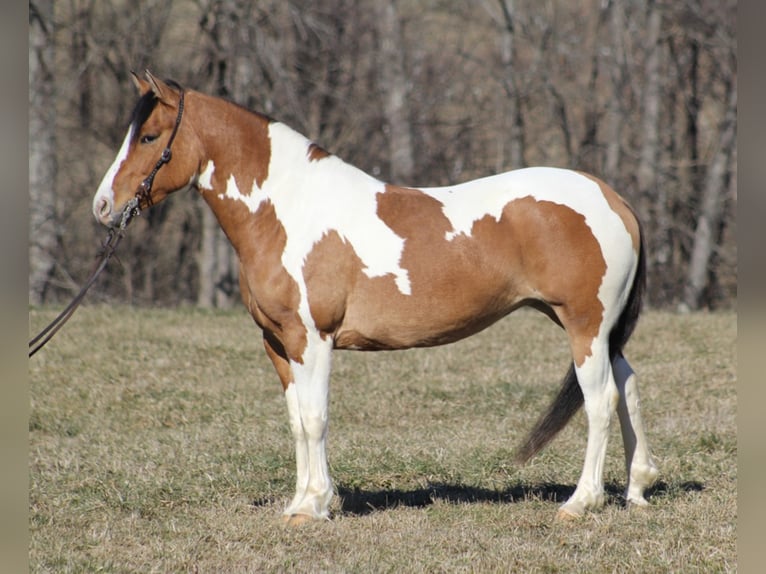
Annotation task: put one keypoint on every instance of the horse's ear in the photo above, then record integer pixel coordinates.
(160, 88)
(141, 85)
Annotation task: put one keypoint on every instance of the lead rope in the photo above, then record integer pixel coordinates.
(132, 209)
(113, 239)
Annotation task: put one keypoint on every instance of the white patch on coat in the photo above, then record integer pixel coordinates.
(106, 187)
(466, 203)
(314, 198)
(205, 178)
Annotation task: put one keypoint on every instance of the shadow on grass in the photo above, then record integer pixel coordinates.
(358, 502)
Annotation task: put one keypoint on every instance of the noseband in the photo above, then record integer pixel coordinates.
(144, 193)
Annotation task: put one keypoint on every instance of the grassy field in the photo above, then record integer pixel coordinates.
(158, 442)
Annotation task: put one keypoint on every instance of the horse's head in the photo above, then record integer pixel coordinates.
(144, 168)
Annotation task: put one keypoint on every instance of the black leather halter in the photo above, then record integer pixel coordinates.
(144, 193)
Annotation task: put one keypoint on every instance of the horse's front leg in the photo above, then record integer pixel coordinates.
(306, 383)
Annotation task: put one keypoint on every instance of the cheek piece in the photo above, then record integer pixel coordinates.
(144, 193)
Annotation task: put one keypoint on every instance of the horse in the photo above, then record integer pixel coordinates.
(333, 258)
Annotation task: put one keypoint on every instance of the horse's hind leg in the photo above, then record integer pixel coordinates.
(640, 467)
(600, 395)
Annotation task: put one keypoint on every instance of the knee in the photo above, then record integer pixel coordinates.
(315, 424)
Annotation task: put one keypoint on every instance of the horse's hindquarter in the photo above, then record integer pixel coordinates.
(470, 255)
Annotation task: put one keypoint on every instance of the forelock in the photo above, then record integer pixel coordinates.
(141, 112)
(144, 108)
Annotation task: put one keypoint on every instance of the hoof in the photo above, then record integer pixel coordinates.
(565, 515)
(637, 504)
(293, 520)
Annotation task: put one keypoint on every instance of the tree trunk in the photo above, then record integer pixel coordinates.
(511, 113)
(712, 208)
(616, 115)
(652, 197)
(43, 229)
(206, 259)
(395, 92)
(647, 167)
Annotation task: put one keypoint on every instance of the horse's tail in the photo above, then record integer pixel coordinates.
(570, 398)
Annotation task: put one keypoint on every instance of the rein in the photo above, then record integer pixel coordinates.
(114, 236)
(113, 239)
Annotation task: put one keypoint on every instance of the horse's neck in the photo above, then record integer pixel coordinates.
(252, 147)
(257, 170)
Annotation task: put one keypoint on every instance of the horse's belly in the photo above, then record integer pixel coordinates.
(419, 324)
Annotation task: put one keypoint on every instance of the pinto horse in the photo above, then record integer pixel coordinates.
(332, 258)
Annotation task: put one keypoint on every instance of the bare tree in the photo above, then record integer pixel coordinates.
(651, 193)
(650, 122)
(616, 110)
(712, 207)
(44, 228)
(510, 112)
(394, 86)
(637, 92)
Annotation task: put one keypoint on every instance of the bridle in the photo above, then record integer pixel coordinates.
(114, 236)
(144, 192)
(145, 189)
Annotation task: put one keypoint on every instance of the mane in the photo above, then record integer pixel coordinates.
(267, 117)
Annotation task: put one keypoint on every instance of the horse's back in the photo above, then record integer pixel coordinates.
(582, 193)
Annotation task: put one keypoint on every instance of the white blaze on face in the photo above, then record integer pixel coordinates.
(103, 201)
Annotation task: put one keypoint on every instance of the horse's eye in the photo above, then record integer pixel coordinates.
(148, 139)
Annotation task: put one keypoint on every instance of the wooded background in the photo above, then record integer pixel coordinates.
(642, 93)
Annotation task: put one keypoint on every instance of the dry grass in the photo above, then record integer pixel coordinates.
(159, 443)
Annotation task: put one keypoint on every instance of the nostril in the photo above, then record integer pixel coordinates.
(103, 208)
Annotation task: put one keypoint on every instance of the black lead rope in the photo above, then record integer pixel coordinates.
(132, 209)
(110, 246)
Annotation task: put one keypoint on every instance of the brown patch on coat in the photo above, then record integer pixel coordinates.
(316, 152)
(622, 208)
(268, 291)
(457, 288)
(330, 271)
(539, 253)
(249, 155)
(563, 262)
(276, 352)
(261, 144)
(556, 261)
(273, 294)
